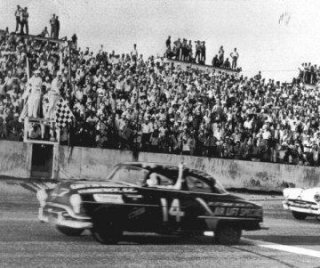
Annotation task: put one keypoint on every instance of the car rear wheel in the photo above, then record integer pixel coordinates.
(299, 215)
(106, 228)
(227, 235)
(69, 231)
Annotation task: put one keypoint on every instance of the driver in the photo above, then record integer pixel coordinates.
(154, 181)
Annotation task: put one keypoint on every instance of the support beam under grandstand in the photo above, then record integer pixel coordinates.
(184, 65)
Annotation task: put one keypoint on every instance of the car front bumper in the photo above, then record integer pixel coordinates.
(307, 208)
(62, 215)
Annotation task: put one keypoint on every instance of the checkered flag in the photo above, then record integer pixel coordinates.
(63, 113)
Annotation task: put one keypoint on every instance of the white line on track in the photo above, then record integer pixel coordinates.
(290, 249)
(296, 250)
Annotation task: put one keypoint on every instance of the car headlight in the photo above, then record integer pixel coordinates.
(75, 201)
(317, 197)
(42, 196)
(286, 193)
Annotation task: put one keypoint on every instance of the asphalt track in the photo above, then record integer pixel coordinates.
(25, 242)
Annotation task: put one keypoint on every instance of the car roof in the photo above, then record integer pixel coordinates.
(153, 166)
(150, 165)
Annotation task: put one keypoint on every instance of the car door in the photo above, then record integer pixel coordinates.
(200, 194)
(172, 203)
(180, 208)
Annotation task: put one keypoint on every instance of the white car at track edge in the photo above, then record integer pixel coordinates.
(302, 202)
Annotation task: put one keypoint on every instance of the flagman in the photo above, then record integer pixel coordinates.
(54, 94)
(35, 94)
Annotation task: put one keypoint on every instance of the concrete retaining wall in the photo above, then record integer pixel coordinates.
(93, 163)
(15, 159)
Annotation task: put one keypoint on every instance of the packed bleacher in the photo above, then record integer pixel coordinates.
(129, 102)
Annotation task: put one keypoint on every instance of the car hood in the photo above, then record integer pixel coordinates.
(62, 192)
(301, 194)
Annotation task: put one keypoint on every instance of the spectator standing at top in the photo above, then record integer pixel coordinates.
(53, 26)
(215, 61)
(258, 76)
(134, 53)
(226, 64)
(184, 50)
(44, 32)
(178, 49)
(168, 42)
(203, 52)
(25, 21)
(198, 52)
(74, 40)
(235, 56)
(190, 51)
(18, 15)
(221, 55)
(57, 28)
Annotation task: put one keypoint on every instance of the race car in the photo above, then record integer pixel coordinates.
(302, 202)
(150, 198)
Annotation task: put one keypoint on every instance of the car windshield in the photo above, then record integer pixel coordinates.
(129, 175)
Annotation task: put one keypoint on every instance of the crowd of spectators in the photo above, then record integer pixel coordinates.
(182, 51)
(130, 102)
(309, 73)
(219, 61)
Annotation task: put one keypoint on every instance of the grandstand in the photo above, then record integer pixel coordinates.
(154, 104)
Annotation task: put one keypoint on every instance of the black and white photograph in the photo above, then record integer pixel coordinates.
(160, 133)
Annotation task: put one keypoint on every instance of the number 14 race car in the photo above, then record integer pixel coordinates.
(148, 197)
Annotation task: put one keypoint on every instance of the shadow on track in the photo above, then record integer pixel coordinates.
(144, 239)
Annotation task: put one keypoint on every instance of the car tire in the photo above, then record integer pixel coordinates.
(299, 215)
(106, 228)
(69, 231)
(227, 235)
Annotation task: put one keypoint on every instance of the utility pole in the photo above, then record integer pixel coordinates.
(136, 146)
(69, 62)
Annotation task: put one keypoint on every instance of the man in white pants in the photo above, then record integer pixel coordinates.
(34, 97)
(54, 94)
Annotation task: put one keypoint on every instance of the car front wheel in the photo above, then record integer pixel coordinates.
(299, 215)
(69, 231)
(106, 229)
(227, 235)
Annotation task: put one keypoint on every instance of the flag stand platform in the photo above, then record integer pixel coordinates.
(43, 137)
(35, 130)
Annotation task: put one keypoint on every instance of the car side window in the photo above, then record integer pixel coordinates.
(159, 179)
(197, 185)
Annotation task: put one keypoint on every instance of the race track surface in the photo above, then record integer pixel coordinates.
(25, 242)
